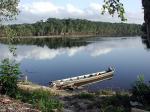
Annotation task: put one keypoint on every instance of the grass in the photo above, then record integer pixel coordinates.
(86, 96)
(112, 103)
(105, 92)
(42, 100)
(116, 103)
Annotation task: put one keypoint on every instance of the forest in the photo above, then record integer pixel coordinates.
(67, 27)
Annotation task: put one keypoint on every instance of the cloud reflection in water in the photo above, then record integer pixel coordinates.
(94, 49)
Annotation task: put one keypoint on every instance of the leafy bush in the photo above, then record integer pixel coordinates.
(116, 103)
(141, 91)
(40, 99)
(9, 71)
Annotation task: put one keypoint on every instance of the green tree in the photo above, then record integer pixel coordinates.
(75, 27)
(8, 9)
(9, 69)
(113, 6)
(8, 80)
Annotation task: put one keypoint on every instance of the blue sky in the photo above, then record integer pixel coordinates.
(35, 10)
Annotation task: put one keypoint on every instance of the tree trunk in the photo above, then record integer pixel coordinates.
(148, 33)
(146, 6)
(148, 30)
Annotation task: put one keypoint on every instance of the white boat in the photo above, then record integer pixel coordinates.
(82, 80)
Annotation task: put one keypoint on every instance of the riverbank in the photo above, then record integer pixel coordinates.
(34, 87)
(99, 101)
(8, 104)
(36, 98)
(73, 36)
(83, 101)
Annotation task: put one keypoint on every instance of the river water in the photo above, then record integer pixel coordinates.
(46, 59)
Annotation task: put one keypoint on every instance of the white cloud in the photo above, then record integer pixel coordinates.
(95, 7)
(72, 9)
(43, 9)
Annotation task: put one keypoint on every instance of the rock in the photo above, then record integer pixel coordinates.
(27, 105)
(10, 108)
(3, 110)
(68, 110)
(55, 110)
(11, 105)
(34, 110)
(82, 105)
(137, 110)
(6, 101)
(134, 104)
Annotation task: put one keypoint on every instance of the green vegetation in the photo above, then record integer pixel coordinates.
(141, 93)
(9, 71)
(8, 9)
(116, 103)
(43, 100)
(106, 92)
(9, 68)
(86, 96)
(66, 27)
(113, 6)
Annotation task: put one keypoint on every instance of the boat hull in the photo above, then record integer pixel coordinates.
(83, 81)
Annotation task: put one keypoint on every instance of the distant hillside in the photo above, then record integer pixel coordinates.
(66, 27)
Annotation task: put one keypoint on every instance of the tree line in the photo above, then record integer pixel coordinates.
(64, 27)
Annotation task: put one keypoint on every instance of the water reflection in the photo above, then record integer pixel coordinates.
(44, 53)
(47, 49)
(52, 43)
(50, 59)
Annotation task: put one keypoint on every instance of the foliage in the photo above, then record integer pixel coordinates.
(86, 96)
(66, 27)
(113, 6)
(9, 71)
(11, 35)
(116, 103)
(8, 9)
(141, 91)
(40, 99)
(105, 92)
(9, 68)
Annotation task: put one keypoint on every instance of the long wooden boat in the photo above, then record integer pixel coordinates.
(82, 80)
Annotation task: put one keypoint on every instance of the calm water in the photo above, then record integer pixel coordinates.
(44, 60)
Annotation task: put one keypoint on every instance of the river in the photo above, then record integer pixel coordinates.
(47, 59)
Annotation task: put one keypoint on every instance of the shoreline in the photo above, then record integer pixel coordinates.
(73, 36)
(29, 86)
(73, 101)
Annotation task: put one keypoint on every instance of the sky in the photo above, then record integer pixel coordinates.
(32, 11)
